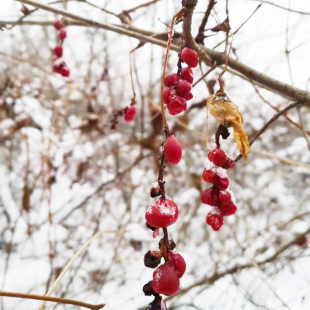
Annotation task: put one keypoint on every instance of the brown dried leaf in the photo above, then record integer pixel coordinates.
(227, 114)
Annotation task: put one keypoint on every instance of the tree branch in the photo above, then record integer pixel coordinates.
(283, 8)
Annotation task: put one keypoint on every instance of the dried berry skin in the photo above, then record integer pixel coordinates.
(177, 105)
(177, 263)
(130, 113)
(150, 260)
(157, 304)
(211, 197)
(155, 190)
(190, 57)
(62, 34)
(58, 24)
(215, 219)
(183, 88)
(229, 209)
(171, 244)
(165, 280)
(171, 79)
(162, 213)
(173, 150)
(187, 75)
(148, 289)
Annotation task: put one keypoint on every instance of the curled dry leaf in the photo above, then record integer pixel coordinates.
(227, 114)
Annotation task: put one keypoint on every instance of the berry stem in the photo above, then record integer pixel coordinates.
(164, 247)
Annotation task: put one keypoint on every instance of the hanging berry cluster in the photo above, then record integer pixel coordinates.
(59, 66)
(179, 85)
(166, 277)
(218, 196)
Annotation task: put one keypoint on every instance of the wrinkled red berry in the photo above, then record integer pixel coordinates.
(167, 95)
(187, 75)
(62, 34)
(216, 176)
(177, 105)
(215, 219)
(190, 57)
(173, 150)
(130, 113)
(162, 213)
(218, 157)
(225, 198)
(171, 79)
(58, 24)
(165, 280)
(65, 71)
(177, 262)
(211, 197)
(58, 51)
(58, 65)
(229, 164)
(189, 96)
(183, 88)
(228, 209)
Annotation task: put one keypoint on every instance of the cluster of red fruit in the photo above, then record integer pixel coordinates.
(130, 113)
(59, 66)
(218, 196)
(179, 86)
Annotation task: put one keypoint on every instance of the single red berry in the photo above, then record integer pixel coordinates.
(58, 65)
(189, 96)
(218, 157)
(183, 88)
(211, 197)
(190, 57)
(56, 68)
(177, 105)
(130, 113)
(229, 164)
(302, 242)
(65, 71)
(225, 198)
(229, 209)
(162, 213)
(177, 262)
(173, 150)
(215, 219)
(167, 95)
(58, 24)
(171, 79)
(187, 75)
(165, 280)
(62, 34)
(216, 176)
(58, 51)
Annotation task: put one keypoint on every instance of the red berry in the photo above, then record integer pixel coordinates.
(302, 242)
(62, 34)
(167, 95)
(189, 96)
(190, 57)
(165, 280)
(229, 164)
(177, 105)
(58, 24)
(225, 198)
(183, 88)
(187, 75)
(64, 71)
(173, 150)
(177, 263)
(162, 213)
(130, 113)
(218, 157)
(216, 176)
(58, 65)
(58, 50)
(211, 197)
(215, 219)
(171, 79)
(229, 209)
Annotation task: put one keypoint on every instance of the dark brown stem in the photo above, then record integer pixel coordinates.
(165, 244)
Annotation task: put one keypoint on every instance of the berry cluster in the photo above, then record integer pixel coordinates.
(130, 113)
(59, 66)
(218, 196)
(179, 85)
(166, 278)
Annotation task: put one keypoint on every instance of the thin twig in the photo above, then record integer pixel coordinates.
(282, 7)
(141, 6)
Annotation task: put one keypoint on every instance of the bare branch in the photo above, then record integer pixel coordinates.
(283, 8)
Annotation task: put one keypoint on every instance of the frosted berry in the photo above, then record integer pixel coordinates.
(229, 164)
(165, 280)
(58, 24)
(167, 95)
(190, 57)
(189, 96)
(177, 105)
(211, 197)
(187, 75)
(62, 34)
(225, 198)
(130, 113)
(216, 176)
(229, 209)
(162, 213)
(183, 88)
(218, 157)
(58, 51)
(215, 219)
(171, 79)
(173, 150)
(65, 71)
(177, 263)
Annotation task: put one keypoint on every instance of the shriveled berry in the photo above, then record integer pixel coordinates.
(218, 157)
(65, 71)
(167, 95)
(177, 105)
(215, 219)
(130, 113)
(151, 259)
(187, 75)
(302, 242)
(58, 24)
(225, 198)
(173, 150)
(162, 213)
(177, 262)
(183, 88)
(148, 289)
(189, 96)
(229, 164)
(190, 57)
(155, 190)
(229, 209)
(170, 245)
(211, 197)
(165, 280)
(171, 79)
(58, 51)
(62, 34)
(216, 176)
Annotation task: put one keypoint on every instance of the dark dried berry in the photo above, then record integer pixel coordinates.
(171, 244)
(150, 260)
(148, 289)
(155, 190)
(157, 304)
